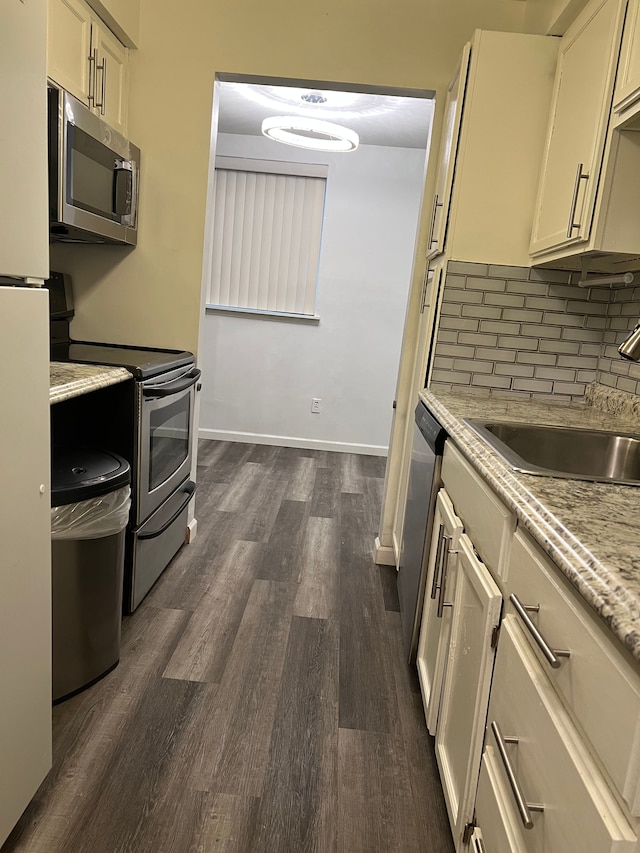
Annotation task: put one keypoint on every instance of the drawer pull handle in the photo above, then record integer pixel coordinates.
(552, 655)
(443, 576)
(436, 565)
(580, 176)
(524, 807)
(478, 843)
(431, 240)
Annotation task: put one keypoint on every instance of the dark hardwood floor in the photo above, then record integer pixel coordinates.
(262, 703)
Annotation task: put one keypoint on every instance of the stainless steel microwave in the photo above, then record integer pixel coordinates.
(94, 176)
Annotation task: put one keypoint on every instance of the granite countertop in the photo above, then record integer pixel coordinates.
(590, 530)
(68, 379)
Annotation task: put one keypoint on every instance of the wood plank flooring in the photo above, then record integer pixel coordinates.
(262, 703)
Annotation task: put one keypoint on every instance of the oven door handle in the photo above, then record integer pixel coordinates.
(189, 489)
(174, 387)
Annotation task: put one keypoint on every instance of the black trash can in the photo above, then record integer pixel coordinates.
(90, 501)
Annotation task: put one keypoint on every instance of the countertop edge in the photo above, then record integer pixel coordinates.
(603, 591)
(69, 380)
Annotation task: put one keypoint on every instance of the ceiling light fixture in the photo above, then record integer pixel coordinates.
(313, 133)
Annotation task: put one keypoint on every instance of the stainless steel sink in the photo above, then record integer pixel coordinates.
(580, 454)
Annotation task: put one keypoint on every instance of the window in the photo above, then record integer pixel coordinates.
(267, 229)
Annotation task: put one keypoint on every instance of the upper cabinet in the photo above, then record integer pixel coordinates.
(494, 125)
(587, 211)
(446, 155)
(86, 59)
(577, 127)
(626, 99)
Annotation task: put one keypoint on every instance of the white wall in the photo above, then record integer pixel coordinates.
(259, 375)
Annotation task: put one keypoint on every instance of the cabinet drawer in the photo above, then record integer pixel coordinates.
(551, 765)
(597, 684)
(487, 522)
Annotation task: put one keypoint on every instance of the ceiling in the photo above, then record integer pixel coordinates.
(388, 120)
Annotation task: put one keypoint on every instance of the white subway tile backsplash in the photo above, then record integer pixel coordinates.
(575, 389)
(485, 312)
(561, 374)
(518, 343)
(500, 327)
(549, 275)
(529, 332)
(543, 303)
(464, 268)
(563, 319)
(485, 284)
(537, 385)
(504, 299)
(460, 323)
(463, 296)
(558, 347)
(525, 370)
(521, 315)
(586, 376)
(583, 307)
(585, 362)
(595, 322)
(502, 271)
(496, 355)
(480, 340)
(451, 376)
(456, 351)
(473, 365)
(492, 381)
(540, 331)
(582, 335)
(536, 358)
(526, 287)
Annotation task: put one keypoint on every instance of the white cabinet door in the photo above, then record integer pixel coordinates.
(86, 59)
(627, 92)
(578, 126)
(68, 45)
(476, 604)
(111, 77)
(25, 567)
(449, 139)
(435, 630)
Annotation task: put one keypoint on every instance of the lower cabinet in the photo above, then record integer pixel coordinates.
(534, 706)
(435, 635)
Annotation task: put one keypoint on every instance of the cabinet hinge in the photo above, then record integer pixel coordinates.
(495, 636)
(468, 832)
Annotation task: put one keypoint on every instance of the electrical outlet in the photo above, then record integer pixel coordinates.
(315, 406)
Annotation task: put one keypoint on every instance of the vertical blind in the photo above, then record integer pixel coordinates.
(267, 230)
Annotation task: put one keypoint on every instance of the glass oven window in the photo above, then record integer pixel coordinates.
(168, 440)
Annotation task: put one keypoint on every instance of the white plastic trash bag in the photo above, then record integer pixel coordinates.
(93, 518)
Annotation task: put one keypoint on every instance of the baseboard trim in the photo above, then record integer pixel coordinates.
(383, 555)
(292, 441)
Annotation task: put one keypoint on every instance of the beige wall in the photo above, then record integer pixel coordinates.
(551, 17)
(151, 295)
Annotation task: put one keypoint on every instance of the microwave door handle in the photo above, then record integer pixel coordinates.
(174, 387)
(122, 190)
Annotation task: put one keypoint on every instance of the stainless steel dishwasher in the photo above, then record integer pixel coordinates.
(424, 481)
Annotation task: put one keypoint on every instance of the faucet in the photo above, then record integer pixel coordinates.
(630, 347)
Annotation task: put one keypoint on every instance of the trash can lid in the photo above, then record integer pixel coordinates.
(78, 474)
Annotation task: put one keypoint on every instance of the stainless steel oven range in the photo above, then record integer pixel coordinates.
(160, 453)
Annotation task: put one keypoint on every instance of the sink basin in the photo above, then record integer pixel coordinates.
(579, 454)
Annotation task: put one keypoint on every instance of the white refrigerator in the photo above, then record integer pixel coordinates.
(25, 561)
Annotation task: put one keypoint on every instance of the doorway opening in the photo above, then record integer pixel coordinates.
(323, 377)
